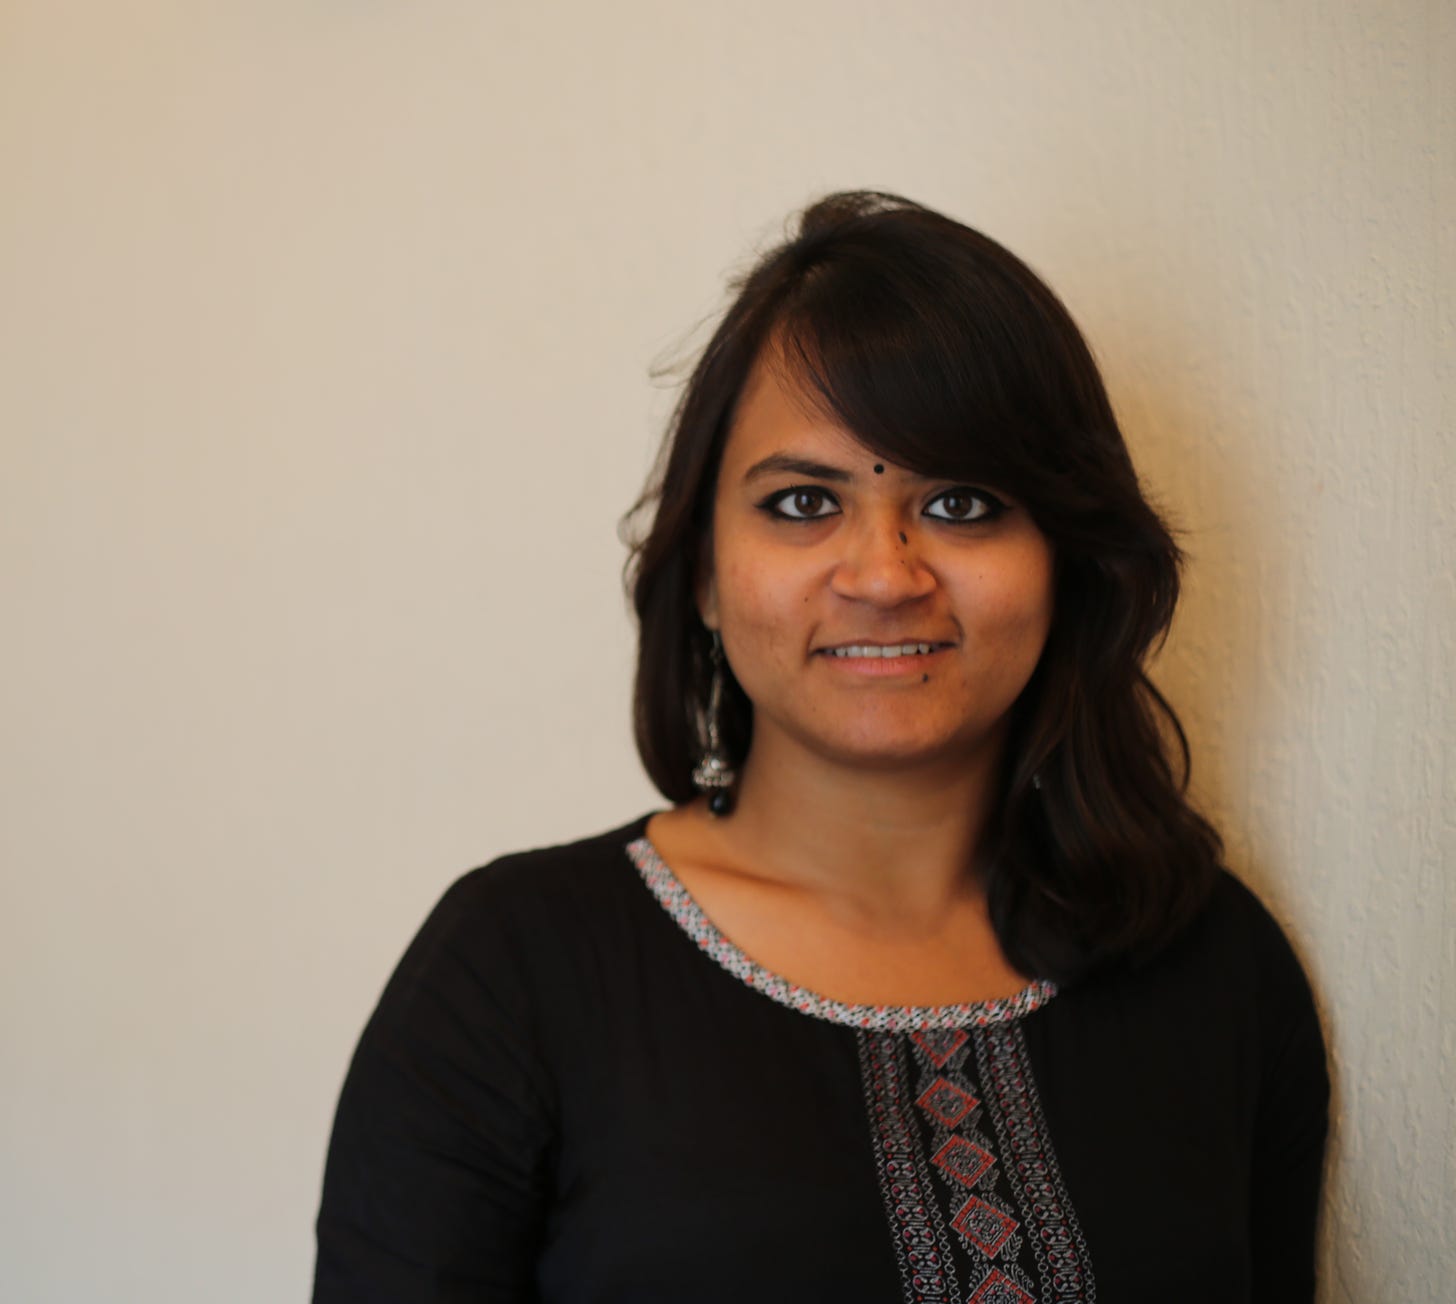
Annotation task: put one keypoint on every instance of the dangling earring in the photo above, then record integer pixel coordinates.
(714, 773)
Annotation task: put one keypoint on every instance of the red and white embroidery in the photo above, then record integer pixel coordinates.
(1061, 1254)
(970, 1183)
(967, 1100)
(917, 1222)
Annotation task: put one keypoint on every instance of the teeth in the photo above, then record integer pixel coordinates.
(879, 650)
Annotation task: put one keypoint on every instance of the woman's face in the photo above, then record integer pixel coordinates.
(872, 615)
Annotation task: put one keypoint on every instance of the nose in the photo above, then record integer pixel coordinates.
(881, 564)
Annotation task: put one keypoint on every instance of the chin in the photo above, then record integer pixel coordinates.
(889, 751)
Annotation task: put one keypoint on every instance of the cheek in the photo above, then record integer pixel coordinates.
(1013, 603)
(757, 608)
(767, 625)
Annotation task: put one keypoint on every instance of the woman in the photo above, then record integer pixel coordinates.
(929, 986)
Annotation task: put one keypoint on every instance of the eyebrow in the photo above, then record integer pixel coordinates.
(775, 463)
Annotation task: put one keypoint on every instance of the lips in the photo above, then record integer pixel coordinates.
(881, 650)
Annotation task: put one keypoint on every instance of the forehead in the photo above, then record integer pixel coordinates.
(777, 412)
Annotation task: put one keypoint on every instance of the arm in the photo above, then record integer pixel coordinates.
(1290, 1126)
(438, 1173)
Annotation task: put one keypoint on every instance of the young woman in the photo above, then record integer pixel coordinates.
(929, 986)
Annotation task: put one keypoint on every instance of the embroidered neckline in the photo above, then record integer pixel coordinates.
(688, 916)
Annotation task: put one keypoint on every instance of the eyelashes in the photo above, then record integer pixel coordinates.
(800, 502)
(961, 505)
(964, 504)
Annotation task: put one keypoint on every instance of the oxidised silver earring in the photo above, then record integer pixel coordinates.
(714, 773)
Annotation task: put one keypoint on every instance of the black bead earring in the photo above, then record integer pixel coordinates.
(714, 773)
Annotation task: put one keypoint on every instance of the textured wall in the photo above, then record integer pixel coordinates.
(324, 339)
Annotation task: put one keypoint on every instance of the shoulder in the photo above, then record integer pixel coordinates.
(1230, 971)
(1234, 944)
(1284, 1005)
(544, 882)
(1237, 932)
(1234, 969)
(500, 925)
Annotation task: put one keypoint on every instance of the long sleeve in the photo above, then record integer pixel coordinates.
(438, 1171)
(1290, 1126)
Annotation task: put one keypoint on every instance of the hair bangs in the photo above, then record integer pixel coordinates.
(936, 385)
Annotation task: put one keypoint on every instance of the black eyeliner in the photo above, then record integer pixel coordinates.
(769, 505)
(995, 506)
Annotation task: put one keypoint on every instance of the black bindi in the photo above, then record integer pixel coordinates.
(879, 468)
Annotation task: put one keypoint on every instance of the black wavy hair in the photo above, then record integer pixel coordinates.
(944, 353)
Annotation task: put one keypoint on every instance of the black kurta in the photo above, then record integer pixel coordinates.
(575, 1090)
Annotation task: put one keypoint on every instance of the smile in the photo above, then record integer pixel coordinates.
(882, 650)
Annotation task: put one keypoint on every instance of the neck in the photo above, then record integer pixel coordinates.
(893, 842)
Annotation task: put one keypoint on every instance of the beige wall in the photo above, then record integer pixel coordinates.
(324, 339)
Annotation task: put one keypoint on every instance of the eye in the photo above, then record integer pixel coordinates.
(964, 504)
(801, 503)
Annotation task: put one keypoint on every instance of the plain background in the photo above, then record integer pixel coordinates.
(326, 332)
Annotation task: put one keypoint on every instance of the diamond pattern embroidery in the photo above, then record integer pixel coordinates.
(946, 1102)
(997, 1288)
(986, 1227)
(940, 1043)
(969, 1178)
(963, 1160)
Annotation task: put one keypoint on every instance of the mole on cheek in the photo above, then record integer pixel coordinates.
(924, 679)
(879, 468)
(903, 539)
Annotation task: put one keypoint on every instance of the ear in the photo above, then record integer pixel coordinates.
(707, 594)
(705, 581)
